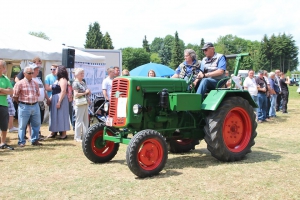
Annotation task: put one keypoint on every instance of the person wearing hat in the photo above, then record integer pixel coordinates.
(262, 88)
(26, 93)
(43, 93)
(213, 68)
(36, 61)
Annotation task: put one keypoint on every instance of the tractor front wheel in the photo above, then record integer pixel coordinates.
(147, 153)
(94, 148)
(231, 129)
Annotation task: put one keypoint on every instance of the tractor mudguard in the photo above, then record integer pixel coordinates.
(215, 97)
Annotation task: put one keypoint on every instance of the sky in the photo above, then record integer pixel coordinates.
(128, 21)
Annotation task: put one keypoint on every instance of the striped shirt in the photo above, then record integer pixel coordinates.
(27, 91)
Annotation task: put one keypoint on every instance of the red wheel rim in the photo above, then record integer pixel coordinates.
(237, 129)
(99, 148)
(150, 154)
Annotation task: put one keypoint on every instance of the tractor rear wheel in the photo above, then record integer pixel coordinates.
(231, 129)
(93, 146)
(147, 153)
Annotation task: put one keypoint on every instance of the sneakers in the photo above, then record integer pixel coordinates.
(13, 129)
(259, 121)
(5, 146)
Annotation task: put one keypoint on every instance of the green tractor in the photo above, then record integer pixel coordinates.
(156, 115)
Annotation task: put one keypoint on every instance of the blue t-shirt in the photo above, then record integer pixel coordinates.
(50, 79)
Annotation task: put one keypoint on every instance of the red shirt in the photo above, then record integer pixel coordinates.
(27, 91)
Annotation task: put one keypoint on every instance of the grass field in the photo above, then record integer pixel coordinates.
(59, 170)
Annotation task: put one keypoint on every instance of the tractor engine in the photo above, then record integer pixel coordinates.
(153, 103)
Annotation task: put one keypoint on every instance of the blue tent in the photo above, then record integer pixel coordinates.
(160, 70)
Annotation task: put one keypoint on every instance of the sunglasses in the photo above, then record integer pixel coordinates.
(52, 69)
(30, 73)
(205, 50)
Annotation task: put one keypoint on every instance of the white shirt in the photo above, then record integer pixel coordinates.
(106, 85)
(41, 87)
(251, 86)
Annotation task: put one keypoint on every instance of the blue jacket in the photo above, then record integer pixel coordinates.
(274, 86)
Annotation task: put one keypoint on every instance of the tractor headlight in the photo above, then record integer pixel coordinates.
(137, 109)
(106, 105)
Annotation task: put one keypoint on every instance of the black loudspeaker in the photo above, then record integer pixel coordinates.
(68, 58)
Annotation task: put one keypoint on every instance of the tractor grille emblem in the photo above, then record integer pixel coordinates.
(117, 94)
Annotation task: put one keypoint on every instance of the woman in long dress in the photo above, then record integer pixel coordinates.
(60, 104)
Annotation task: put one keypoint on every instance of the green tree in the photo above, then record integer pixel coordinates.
(265, 55)
(134, 57)
(177, 52)
(94, 37)
(156, 45)
(107, 42)
(146, 45)
(166, 51)
(200, 53)
(278, 52)
(154, 58)
(40, 35)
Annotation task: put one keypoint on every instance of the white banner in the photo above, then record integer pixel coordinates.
(94, 74)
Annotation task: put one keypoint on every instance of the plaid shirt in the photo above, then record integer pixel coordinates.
(27, 91)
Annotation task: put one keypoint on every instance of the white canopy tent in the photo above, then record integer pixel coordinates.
(19, 49)
(23, 48)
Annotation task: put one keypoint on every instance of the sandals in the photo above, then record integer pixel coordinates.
(5, 146)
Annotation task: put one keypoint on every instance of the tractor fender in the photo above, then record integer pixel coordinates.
(215, 97)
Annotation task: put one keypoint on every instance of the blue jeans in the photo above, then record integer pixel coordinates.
(262, 106)
(206, 84)
(272, 111)
(255, 100)
(29, 113)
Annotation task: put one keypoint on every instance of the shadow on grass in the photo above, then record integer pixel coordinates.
(204, 159)
(278, 119)
(45, 146)
(200, 158)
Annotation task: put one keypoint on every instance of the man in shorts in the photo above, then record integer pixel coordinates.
(5, 89)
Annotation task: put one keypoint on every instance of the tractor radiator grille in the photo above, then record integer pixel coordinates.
(119, 89)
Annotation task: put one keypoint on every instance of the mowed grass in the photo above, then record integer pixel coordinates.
(59, 169)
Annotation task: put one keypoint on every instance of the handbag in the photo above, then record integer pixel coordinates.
(80, 101)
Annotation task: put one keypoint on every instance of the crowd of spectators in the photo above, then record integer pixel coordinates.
(269, 91)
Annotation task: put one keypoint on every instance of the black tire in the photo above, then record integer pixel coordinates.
(147, 153)
(231, 129)
(182, 145)
(92, 144)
